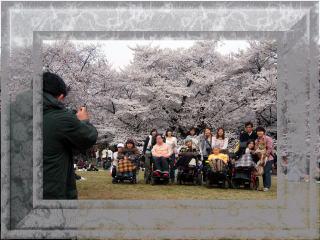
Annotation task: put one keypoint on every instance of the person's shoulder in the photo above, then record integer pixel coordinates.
(183, 146)
(63, 114)
(59, 117)
(242, 132)
(136, 150)
(268, 138)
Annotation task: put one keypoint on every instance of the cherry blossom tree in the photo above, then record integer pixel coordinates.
(176, 88)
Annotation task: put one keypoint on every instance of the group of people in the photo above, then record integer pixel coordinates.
(65, 131)
(164, 151)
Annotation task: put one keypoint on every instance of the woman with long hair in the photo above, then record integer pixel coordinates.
(220, 140)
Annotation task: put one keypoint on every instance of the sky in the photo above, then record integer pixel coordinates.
(119, 54)
(117, 61)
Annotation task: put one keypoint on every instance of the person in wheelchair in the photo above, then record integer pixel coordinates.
(219, 172)
(217, 157)
(130, 149)
(186, 154)
(161, 153)
(189, 164)
(132, 153)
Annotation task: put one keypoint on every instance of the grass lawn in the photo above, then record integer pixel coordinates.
(98, 185)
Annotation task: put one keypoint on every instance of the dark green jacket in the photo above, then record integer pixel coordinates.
(62, 132)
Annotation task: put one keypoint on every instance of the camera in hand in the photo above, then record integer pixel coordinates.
(74, 111)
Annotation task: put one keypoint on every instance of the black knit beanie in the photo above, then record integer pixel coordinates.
(54, 84)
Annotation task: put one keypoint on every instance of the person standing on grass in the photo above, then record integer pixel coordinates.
(173, 144)
(104, 154)
(264, 145)
(205, 146)
(148, 145)
(63, 131)
(221, 141)
(97, 159)
(161, 153)
(109, 154)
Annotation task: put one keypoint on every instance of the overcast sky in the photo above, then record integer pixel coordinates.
(119, 54)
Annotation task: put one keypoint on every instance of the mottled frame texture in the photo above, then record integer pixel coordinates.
(293, 214)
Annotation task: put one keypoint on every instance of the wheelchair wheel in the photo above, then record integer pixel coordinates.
(172, 180)
(234, 184)
(179, 180)
(153, 181)
(225, 184)
(208, 184)
(146, 176)
(199, 179)
(134, 179)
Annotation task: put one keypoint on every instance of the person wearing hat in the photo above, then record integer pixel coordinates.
(116, 156)
(63, 132)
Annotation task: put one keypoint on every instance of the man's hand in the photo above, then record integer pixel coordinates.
(82, 114)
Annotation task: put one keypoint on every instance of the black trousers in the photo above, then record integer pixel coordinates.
(161, 164)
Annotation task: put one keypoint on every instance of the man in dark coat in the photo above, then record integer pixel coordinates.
(63, 131)
(245, 136)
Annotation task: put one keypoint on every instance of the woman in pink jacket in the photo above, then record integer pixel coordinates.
(264, 144)
(161, 153)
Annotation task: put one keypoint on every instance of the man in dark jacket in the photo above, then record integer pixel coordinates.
(245, 136)
(63, 131)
